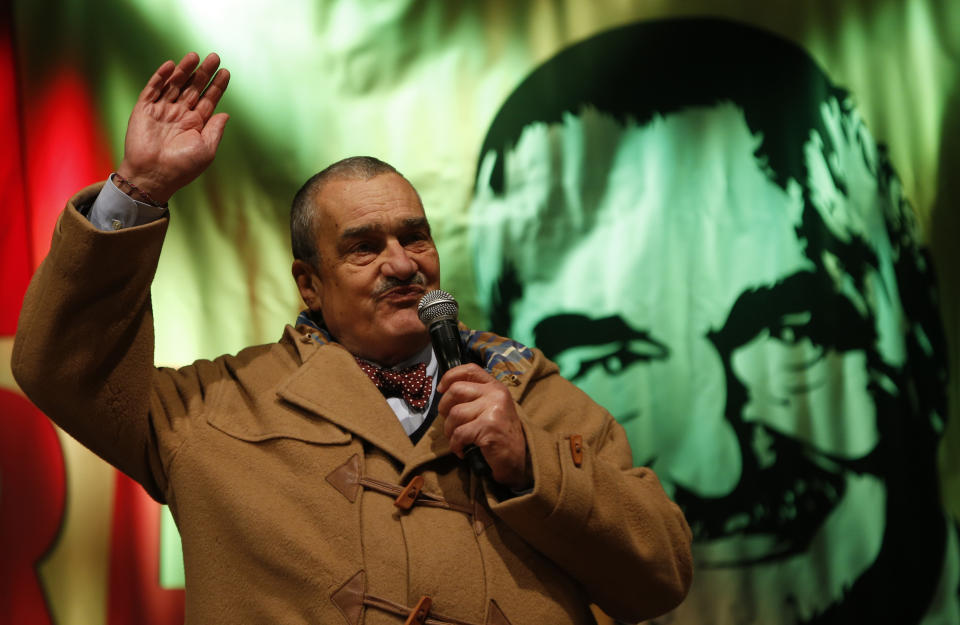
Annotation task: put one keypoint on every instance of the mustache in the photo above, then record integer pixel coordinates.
(417, 279)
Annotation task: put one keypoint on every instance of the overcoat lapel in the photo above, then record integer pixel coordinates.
(331, 385)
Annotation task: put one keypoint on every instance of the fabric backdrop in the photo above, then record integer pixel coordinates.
(725, 220)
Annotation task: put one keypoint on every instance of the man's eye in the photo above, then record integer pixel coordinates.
(415, 238)
(577, 362)
(613, 364)
(361, 253)
(586, 366)
(609, 343)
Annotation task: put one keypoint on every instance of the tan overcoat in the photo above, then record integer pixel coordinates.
(282, 464)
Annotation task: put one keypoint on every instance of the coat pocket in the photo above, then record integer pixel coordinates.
(279, 420)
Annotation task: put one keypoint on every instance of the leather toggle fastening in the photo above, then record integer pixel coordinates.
(576, 449)
(408, 496)
(346, 478)
(419, 613)
(351, 597)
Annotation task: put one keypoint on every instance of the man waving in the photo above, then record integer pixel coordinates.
(320, 479)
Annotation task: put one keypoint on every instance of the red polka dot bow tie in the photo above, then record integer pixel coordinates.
(410, 383)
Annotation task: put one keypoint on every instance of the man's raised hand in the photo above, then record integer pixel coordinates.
(172, 135)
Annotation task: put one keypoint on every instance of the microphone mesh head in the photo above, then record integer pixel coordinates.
(437, 305)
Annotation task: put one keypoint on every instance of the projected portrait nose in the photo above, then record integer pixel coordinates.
(719, 264)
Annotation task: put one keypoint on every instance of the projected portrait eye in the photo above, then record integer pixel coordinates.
(579, 344)
(805, 367)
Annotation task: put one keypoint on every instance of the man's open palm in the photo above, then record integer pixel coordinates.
(172, 135)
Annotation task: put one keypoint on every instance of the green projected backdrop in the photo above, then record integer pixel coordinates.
(729, 265)
(711, 215)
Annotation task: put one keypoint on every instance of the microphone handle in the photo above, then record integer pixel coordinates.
(446, 344)
(445, 338)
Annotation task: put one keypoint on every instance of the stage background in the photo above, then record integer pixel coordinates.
(417, 84)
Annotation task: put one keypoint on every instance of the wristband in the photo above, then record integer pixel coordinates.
(134, 188)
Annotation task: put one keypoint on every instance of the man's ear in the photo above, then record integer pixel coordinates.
(308, 283)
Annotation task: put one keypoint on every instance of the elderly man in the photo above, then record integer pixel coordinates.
(302, 493)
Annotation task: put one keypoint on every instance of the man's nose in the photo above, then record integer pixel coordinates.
(397, 262)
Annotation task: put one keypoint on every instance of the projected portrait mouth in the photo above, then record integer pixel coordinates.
(696, 225)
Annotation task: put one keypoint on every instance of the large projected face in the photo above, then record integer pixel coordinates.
(745, 327)
(628, 298)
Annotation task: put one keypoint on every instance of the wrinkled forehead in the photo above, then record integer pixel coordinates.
(604, 204)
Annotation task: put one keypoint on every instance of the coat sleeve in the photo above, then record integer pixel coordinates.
(84, 347)
(608, 524)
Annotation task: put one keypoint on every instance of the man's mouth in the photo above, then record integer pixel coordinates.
(402, 293)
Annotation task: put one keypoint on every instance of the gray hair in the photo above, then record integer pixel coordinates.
(303, 211)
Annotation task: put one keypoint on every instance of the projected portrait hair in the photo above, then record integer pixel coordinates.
(697, 226)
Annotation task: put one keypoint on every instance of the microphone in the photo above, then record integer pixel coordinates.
(438, 311)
